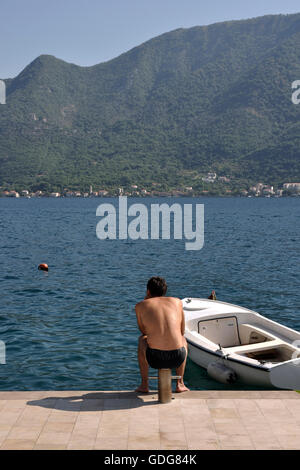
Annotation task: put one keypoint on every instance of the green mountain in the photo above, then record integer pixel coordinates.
(209, 98)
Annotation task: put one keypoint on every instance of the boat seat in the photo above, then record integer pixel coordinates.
(254, 346)
(269, 332)
(253, 328)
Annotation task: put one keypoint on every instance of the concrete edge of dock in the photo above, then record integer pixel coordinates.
(126, 420)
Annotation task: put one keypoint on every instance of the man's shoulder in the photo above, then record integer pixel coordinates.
(140, 304)
(149, 301)
(175, 300)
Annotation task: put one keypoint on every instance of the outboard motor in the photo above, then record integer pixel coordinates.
(219, 372)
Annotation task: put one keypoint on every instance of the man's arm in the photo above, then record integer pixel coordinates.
(182, 320)
(139, 319)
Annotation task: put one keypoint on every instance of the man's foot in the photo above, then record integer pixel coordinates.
(180, 387)
(142, 389)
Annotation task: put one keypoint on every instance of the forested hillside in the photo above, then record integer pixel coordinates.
(210, 98)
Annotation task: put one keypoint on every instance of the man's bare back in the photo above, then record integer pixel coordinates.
(162, 343)
(161, 319)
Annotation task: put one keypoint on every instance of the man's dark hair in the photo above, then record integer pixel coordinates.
(157, 286)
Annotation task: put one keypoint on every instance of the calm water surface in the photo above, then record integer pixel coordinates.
(75, 327)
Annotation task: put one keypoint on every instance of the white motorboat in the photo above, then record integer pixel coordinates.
(236, 344)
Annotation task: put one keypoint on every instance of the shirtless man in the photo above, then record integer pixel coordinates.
(162, 344)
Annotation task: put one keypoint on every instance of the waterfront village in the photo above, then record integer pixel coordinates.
(209, 182)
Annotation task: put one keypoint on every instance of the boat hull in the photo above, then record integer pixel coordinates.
(260, 351)
(246, 374)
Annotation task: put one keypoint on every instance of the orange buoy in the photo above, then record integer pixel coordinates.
(43, 267)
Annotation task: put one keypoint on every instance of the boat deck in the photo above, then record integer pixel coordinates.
(126, 420)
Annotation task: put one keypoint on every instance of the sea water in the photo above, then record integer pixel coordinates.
(75, 326)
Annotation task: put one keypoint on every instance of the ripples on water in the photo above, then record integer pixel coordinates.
(75, 327)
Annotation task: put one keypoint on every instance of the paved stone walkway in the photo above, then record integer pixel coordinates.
(125, 420)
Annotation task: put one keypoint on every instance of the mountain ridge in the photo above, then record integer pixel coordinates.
(198, 99)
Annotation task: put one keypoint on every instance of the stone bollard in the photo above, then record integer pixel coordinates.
(165, 385)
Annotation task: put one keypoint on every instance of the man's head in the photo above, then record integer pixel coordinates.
(156, 287)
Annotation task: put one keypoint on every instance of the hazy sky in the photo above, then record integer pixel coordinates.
(87, 32)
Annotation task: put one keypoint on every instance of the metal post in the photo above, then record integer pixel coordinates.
(164, 385)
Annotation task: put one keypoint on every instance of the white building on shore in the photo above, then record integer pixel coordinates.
(295, 186)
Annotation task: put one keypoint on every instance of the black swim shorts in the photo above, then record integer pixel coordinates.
(158, 359)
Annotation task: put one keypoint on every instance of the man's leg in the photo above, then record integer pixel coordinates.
(180, 387)
(144, 366)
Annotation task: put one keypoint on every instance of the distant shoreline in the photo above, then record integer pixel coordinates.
(229, 196)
